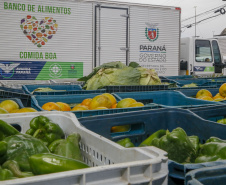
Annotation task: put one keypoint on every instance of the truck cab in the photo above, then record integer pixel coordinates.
(200, 57)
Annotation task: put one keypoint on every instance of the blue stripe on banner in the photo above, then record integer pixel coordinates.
(20, 70)
(199, 68)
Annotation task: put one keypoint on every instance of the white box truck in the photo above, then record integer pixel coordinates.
(42, 40)
(202, 57)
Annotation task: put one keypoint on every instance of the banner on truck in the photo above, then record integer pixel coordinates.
(40, 70)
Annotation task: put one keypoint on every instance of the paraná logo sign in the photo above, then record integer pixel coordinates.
(151, 32)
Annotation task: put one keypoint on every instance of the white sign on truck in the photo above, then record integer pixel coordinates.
(43, 40)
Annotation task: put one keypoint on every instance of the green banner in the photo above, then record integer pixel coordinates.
(61, 70)
(209, 69)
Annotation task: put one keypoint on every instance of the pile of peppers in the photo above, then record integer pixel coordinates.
(42, 150)
(182, 148)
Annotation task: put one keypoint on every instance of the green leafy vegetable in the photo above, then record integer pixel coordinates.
(117, 73)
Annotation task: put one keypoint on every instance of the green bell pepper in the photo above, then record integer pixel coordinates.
(52, 163)
(15, 169)
(215, 139)
(2, 135)
(67, 147)
(5, 174)
(211, 151)
(3, 151)
(6, 130)
(158, 134)
(19, 147)
(195, 141)
(42, 128)
(125, 143)
(177, 145)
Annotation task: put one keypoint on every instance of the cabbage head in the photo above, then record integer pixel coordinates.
(117, 73)
(113, 76)
(148, 77)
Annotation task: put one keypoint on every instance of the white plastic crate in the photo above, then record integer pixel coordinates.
(147, 165)
(18, 84)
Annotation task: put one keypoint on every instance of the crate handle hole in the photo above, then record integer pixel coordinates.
(128, 129)
(121, 128)
(17, 126)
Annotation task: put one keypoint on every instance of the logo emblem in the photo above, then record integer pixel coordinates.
(39, 33)
(72, 66)
(7, 69)
(55, 70)
(151, 32)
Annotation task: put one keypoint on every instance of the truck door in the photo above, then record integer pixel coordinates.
(217, 57)
(203, 59)
(111, 35)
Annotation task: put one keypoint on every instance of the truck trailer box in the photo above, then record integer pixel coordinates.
(222, 44)
(42, 40)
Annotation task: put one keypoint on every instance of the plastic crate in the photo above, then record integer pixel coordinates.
(134, 88)
(214, 78)
(28, 89)
(144, 123)
(172, 83)
(207, 176)
(38, 101)
(198, 87)
(166, 99)
(70, 92)
(193, 92)
(11, 89)
(212, 113)
(25, 98)
(18, 101)
(199, 82)
(179, 77)
(214, 83)
(111, 163)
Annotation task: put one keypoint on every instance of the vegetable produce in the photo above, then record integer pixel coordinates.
(9, 105)
(101, 101)
(5, 174)
(215, 139)
(195, 142)
(44, 89)
(15, 169)
(190, 85)
(42, 128)
(223, 121)
(67, 147)
(211, 151)
(148, 77)
(6, 130)
(116, 73)
(19, 152)
(207, 95)
(203, 92)
(19, 148)
(158, 134)
(125, 142)
(51, 163)
(177, 145)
